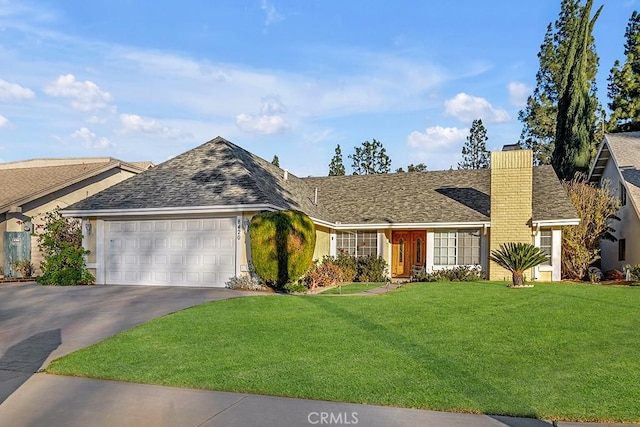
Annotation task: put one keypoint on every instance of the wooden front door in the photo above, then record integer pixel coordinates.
(408, 249)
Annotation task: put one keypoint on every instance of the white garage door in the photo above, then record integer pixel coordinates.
(190, 252)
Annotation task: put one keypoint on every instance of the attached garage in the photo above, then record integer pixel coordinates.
(177, 252)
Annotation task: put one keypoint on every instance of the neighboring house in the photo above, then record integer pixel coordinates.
(185, 222)
(618, 166)
(30, 188)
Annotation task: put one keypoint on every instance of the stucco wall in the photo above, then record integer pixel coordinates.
(627, 228)
(35, 210)
(323, 242)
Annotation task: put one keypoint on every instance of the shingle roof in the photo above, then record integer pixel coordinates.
(625, 148)
(432, 197)
(219, 173)
(21, 183)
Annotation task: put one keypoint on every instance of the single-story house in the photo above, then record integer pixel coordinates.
(185, 222)
(31, 188)
(617, 165)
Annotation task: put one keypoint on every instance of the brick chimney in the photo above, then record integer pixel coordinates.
(511, 203)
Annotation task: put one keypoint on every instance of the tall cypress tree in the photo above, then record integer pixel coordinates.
(336, 167)
(624, 82)
(539, 117)
(575, 130)
(474, 151)
(276, 160)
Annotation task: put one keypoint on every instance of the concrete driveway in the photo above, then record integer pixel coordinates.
(41, 323)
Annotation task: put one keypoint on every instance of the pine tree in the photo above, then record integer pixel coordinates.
(275, 161)
(370, 158)
(575, 129)
(474, 151)
(539, 117)
(336, 167)
(420, 167)
(624, 82)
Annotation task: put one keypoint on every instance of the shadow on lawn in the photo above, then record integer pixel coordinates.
(474, 388)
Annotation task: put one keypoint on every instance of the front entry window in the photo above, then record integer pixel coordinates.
(357, 243)
(419, 251)
(401, 251)
(456, 247)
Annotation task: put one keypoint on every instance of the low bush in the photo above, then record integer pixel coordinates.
(346, 263)
(246, 283)
(323, 274)
(371, 269)
(461, 273)
(24, 267)
(635, 272)
(295, 287)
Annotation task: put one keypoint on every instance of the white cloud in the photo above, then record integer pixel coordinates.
(3, 121)
(518, 93)
(270, 120)
(132, 123)
(271, 105)
(439, 147)
(265, 125)
(96, 120)
(437, 138)
(467, 108)
(90, 139)
(85, 96)
(14, 92)
(273, 16)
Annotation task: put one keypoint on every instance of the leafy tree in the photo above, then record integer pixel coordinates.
(61, 245)
(596, 208)
(275, 161)
(370, 158)
(539, 117)
(624, 83)
(474, 151)
(575, 128)
(420, 167)
(336, 167)
(517, 258)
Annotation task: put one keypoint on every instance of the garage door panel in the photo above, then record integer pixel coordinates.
(191, 252)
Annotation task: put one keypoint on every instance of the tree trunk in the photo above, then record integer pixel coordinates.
(518, 278)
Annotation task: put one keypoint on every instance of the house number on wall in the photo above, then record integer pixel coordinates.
(238, 228)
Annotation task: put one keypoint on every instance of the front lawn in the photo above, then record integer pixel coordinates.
(555, 351)
(352, 288)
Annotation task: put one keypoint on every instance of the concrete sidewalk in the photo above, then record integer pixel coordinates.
(49, 400)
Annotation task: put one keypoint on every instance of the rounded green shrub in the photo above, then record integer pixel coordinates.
(282, 244)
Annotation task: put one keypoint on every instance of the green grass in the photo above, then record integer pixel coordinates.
(561, 351)
(352, 288)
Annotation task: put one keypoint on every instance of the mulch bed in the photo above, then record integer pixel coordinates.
(17, 279)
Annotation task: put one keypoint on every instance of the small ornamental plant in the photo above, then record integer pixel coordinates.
(517, 258)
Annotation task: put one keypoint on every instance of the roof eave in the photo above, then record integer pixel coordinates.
(46, 191)
(80, 213)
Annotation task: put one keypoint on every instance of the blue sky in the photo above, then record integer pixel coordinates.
(147, 80)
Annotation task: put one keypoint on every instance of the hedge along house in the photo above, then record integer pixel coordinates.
(185, 222)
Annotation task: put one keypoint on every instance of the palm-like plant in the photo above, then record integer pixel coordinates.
(517, 258)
